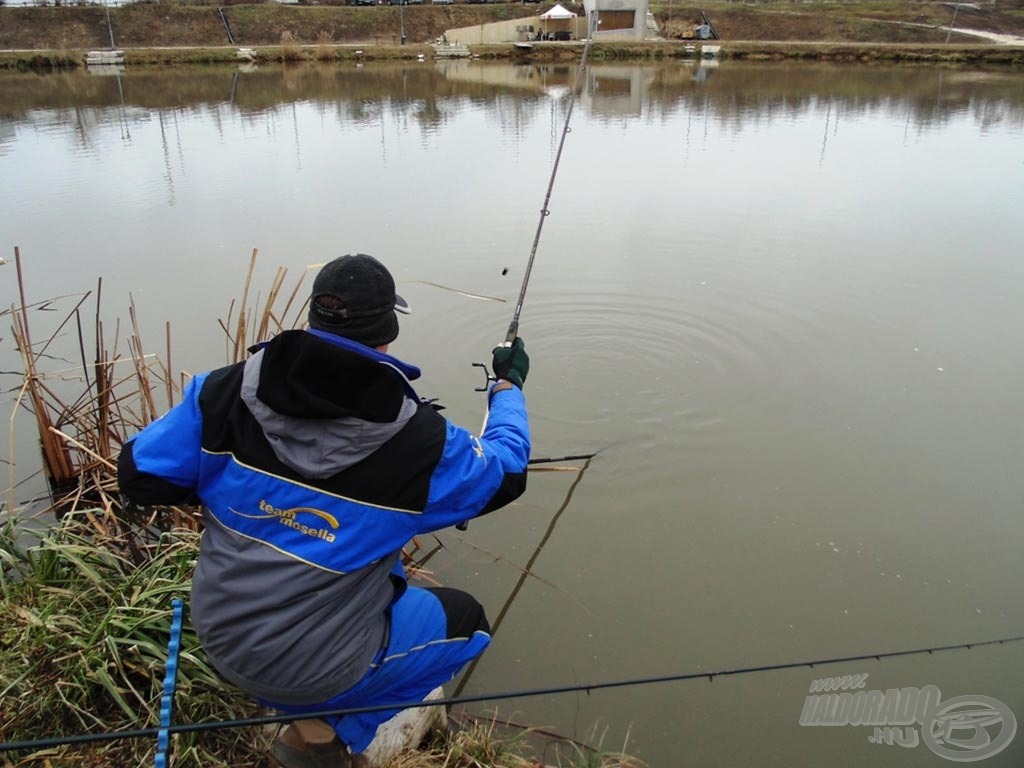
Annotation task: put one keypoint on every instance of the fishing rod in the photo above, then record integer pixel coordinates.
(513, 326)
(573, 457)
(84, 738)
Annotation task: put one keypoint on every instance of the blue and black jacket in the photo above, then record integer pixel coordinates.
(316, 462)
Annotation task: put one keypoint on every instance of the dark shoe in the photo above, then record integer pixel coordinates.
(311, 744)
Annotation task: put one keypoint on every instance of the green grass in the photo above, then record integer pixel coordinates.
(84, 645)
(83, 648)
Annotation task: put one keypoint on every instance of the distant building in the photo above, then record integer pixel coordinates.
(618, 19)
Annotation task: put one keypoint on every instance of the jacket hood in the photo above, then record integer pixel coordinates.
(323, 407)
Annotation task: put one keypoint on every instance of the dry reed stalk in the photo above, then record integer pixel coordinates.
(103, 369)
(58, 463)
(138, 361)
(291, 299)
(11, 484)
(73, 312)
(267, 314)
(229, 340)
(21, 291)
(167, 369)
(80, 436)
(42, 304)
(260, 321)
(84, 448)
(240, 332)
(135, 346)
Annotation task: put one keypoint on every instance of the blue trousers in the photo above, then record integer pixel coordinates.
(433, 634)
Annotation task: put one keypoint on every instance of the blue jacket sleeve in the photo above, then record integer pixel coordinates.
(477, 475)
(160, 465)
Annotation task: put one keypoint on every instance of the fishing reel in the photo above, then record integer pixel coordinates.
(489, 378)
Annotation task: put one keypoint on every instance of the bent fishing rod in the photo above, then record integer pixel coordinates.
(513, 326)
(710, 676)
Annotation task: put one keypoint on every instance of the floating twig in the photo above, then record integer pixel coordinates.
(467, 294)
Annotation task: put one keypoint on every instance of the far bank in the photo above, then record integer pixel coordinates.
(920, 53)
(159, 34)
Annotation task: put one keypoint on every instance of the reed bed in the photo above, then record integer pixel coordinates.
(89, 597)
(85, 413)
(86, 584)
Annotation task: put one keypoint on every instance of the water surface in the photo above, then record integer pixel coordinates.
(784, 300)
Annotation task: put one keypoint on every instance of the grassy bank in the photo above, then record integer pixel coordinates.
(970, 54)
(84, 647)
(85, 642)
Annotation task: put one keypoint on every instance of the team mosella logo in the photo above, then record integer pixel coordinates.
(290, 517)
(963, 729)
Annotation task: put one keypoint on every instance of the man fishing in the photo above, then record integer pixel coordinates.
(316, 462)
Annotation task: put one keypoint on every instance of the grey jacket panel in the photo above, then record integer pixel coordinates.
(317, 448)
(252, 609)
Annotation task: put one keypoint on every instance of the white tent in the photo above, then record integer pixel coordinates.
(558, 12)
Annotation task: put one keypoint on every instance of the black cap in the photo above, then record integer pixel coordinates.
(354, 296)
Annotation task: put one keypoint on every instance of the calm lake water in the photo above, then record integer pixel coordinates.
(784, 301)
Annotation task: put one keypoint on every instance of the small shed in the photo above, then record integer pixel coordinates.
(557, 23)
(618, 19)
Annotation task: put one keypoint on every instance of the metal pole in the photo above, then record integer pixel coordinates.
(956, 8)
(401, 18)
(110, 28)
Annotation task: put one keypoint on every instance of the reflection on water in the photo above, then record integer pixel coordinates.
(737, 93)
(783, 297)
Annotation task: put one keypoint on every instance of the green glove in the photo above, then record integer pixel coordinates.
(511, 363)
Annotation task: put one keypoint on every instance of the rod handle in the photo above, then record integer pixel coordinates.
(513, 331)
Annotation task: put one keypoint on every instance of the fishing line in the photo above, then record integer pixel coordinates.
(551, 691)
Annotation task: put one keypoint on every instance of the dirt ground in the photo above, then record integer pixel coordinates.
(158, 25)
(148, 25)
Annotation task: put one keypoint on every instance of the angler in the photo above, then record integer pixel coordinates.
(325, 425)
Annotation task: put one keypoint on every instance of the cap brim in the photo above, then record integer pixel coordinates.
(401, 305)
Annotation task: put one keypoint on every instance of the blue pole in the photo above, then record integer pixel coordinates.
(163, 739)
